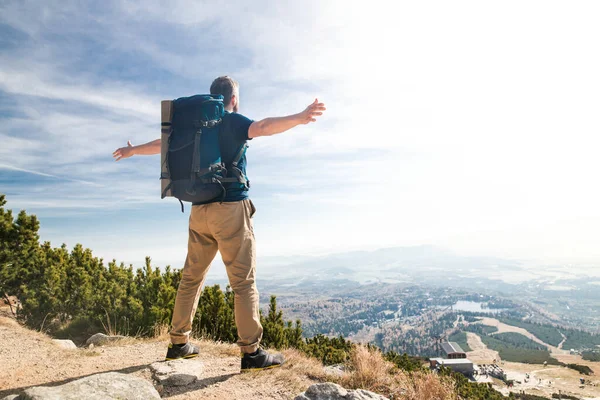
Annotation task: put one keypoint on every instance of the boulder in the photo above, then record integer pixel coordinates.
(65, 344)
(107, 386)
(177, 372)
(100, 338)
(11, 397)
(336, 369)
(332, 391)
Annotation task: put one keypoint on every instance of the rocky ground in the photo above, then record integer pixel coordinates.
(29, 359)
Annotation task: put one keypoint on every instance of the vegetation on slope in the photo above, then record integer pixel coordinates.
(546, 333)
(576, 339)
(71, 293)
(518, 349)
(591, 355)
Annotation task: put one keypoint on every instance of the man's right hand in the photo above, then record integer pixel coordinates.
(313, 110)
(124, 152)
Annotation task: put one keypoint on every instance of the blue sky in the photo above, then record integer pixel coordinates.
(469, 125)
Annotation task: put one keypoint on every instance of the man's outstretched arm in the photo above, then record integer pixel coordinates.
(145, 149)
(272, 126)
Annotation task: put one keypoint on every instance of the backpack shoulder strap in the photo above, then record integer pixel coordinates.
(238, 175)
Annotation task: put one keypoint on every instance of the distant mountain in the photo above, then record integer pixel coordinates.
(396, 264)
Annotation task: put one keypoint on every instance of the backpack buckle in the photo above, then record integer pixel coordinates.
(209, 124)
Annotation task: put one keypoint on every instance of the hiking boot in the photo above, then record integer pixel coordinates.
(260, 360)
(176, 351)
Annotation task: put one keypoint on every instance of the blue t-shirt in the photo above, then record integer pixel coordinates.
(233, 135)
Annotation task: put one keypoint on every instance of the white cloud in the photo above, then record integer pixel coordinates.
(118, 100)
(444, 121)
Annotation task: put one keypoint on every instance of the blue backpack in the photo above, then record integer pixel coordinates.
(191, 165)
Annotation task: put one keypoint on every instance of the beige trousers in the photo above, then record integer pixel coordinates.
(226, 227)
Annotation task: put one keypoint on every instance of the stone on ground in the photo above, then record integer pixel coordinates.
(177, 372)
(107, 386)
(65, 344)
(332, 391)
(100, 338)
(336, 369)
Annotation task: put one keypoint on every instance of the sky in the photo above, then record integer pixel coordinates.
(469, 125)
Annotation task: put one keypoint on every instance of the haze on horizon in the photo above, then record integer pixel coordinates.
(467, 125)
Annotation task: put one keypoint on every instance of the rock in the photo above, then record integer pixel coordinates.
(177, 372)
(107, 386)
(11, 397)
(65, 344)
(12, 300)
(100, 338)
(362, 394)
(337, 369)
(332, 391)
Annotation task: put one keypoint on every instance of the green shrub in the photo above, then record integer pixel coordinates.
(582, 369)
(564, 396)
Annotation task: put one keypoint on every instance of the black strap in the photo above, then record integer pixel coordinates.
(195, 163)
(224, 191)
(165, 127)
(182, 146)
(239, 176)
(181, 202)
(164, 193)
(239, 154)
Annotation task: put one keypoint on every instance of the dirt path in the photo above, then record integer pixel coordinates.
(560, 345)
(479, 353)
(28, 358)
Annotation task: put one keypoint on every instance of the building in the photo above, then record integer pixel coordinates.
(453, 351)
(454, 358)
(461, 365)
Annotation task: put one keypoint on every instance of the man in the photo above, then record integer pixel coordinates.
(225, 225)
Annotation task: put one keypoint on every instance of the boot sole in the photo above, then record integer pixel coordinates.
(184, 357)
(261, 369)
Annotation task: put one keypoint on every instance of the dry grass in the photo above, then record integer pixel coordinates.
(161, 332)
(295, 376)
(427, 386)
(302, 365)
(367, 370)
(219, 348)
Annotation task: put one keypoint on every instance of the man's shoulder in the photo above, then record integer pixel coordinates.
(236, 118)
(237, 125)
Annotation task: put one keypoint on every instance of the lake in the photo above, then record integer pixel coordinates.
(474, 306)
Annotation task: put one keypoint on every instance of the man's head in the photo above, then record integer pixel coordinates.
(229, 89)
